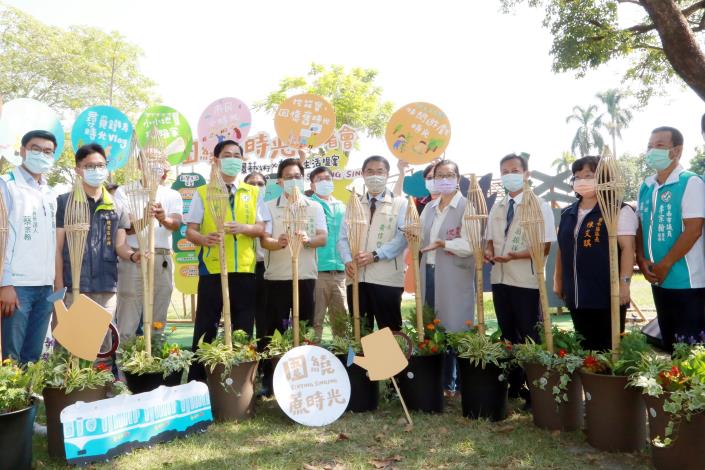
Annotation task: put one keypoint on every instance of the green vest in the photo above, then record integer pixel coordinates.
(240, 250)
(328, 257)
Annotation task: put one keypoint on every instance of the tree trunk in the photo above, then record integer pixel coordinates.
(679, 43)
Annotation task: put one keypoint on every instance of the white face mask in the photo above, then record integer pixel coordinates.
(38, 163)
(324, 188)
(376, 183)
(95, 177)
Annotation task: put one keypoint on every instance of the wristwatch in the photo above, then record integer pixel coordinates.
(626, 279)
(375, 256)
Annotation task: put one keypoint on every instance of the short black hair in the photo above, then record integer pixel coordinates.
(38, 134)
(428, 170)
(318, 171)
(512, 156)
(289, 162)
(221, 145)
(676, 135)
(110, 187)
(375, 158)
(447, 162)
(253, 174)
(581, 163)
(89, 149)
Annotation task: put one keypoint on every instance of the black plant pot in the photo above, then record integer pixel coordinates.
(364, 393)
(140, 383)
(16, 438)
(483, 394)
(421, 383)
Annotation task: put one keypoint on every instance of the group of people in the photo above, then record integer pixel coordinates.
(663, 233)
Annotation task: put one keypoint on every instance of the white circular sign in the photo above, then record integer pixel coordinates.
(311, 386)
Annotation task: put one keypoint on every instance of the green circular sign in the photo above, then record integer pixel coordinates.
(173, 128)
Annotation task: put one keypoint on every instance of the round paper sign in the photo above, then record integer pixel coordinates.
(305, 120)
(21, 116)
(173, 129)
(311, 386)
(108, 127)
(418, 133)
(223, 119)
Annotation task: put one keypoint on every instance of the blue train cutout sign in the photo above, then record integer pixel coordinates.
(106, 428)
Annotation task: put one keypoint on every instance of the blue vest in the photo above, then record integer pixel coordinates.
(328, 257)
(662, 225)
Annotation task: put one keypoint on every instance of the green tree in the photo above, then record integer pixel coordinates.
(665, 44)
(587, 136)
(697, 163)
(635, 171)
(354, 95)
(563, 163)
(616, 116)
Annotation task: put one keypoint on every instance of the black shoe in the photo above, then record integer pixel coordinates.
(264, 393)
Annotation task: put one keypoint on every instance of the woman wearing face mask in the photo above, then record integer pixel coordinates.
(582, 274)
(447, 274)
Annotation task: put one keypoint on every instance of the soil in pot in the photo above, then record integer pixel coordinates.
(55, 400)
(16, 429)
(483, 394)
(566, 416)
(233, 398)
(147, 382)
(615, 416)
(364, 393)
(421, 383)
(687, 451)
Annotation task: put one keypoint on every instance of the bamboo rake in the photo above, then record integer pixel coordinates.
(3, 243)
(412, 233)
(475, 221)
(610, 194)
(295, 226)
(533, 228)
(76, 224)
(356, 222)
(218, 203)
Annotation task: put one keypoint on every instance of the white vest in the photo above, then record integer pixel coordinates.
(382, 229)
(278, 263)
(31, 240)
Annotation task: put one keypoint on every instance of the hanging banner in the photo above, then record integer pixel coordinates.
(172, 127)
(305, 120)
(185, 255)
(418, 133)
(21, 116)
(223, 119)
(108, 127)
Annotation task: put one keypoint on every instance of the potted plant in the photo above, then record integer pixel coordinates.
(421, 383)
(144, 371)
(66, 379)
(230, 373)
(674, 392)
(17, 412)
(554, 383)
(614, 411)
(483, 362)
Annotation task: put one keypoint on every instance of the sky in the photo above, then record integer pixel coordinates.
(488, 71)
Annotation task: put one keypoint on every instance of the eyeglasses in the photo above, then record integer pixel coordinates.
(449, 175)
(261, 185)
(37, 149)
(380, 172)
(293, 177)
(97, 166)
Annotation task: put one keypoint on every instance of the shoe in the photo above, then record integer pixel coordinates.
(264, 393)
(39, 430)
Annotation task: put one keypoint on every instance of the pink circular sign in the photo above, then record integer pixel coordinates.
(223, 119)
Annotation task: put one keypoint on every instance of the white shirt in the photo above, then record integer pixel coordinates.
(172, 203)
(319, 220)
(627, 224)
(196, 210)
(457, 246)
(546, 211)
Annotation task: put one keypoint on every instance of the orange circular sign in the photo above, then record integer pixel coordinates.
(418, 133)
(305, 120)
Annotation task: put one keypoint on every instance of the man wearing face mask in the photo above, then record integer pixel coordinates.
(381, 262)
(105, 240)
(26, 283)
(330, 285)
(670, 249)
(515, 289)
(243, 224)
(168, 210)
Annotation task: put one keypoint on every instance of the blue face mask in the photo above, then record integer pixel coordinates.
(513, 182)
(38, 163)
(95, 177)
(430, 186)
(289, 186)
(657, 159)
(324, 188)
(231, 166)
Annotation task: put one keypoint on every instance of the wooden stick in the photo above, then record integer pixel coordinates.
(610, 194)
(356, 222)
(474, 222)
(403, 404)
(412, 233)
(3, 242)
(295, 225)
(533, 228)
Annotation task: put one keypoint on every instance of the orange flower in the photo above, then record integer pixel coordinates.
(430, 327)
(101, 366)
(422, 345)
(562, 353)
(157, 325)
(434, 349)
(468, 323)
(436, 321)
(173, 328)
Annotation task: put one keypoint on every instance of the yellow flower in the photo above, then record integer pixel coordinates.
(157, 325)
(173, 328)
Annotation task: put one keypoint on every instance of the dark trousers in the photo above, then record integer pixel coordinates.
(595, 326)
(518, 311)
(260, 304)
(210, 305)
(681, 315)
(381, 303)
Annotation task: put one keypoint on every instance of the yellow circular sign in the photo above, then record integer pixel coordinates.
(418, 133)
(305, 120)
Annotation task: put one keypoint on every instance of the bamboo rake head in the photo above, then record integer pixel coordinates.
(610, 189)
(532, 225)
(76, 225)
(356, 222)
(475, 216)
(218, 198)
(412, 226)
(295, 222)
(136, 193)
(154, 162)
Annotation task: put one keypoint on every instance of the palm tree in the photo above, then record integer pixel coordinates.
(587, 135)
(618, 117)
(563, 163)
